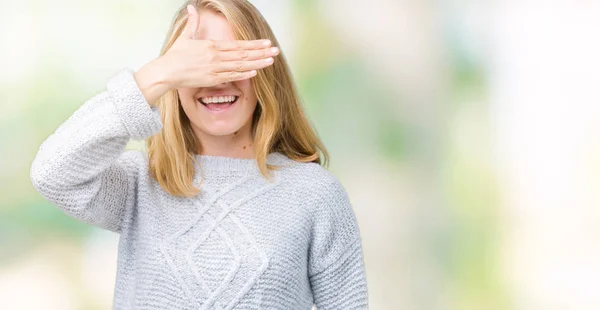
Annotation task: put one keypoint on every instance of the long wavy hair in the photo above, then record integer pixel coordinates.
(278, 123)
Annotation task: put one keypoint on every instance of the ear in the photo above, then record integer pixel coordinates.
(191, 25)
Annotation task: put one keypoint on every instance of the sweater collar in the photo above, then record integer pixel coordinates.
(211, 164)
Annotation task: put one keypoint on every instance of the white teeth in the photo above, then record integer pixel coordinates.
(220, 99)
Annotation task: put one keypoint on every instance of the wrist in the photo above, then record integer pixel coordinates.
(152, 81)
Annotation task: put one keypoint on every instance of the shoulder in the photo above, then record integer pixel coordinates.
(134, 161)
(134, 156)
(309, 177)
(317, 186)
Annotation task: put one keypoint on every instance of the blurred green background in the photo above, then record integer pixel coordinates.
(466, 133)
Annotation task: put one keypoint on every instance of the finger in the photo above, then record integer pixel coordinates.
(241, 45)
(244, 65)
(248, 54)
(231, 76)
(192, 23)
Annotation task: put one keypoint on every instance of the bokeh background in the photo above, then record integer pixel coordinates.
(467, 133)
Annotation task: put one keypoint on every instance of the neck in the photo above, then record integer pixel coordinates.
(237, 145)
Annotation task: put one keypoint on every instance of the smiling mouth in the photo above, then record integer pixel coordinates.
(218, 100)
(218, 103)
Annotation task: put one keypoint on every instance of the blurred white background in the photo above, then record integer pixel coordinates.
(467, 134)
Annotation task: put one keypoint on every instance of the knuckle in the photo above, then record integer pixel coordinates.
(212, 56)
(240, 66)
(232, 76)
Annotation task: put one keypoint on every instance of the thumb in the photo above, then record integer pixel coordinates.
(192, 23)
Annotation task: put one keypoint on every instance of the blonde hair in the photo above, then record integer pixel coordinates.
(278, 124)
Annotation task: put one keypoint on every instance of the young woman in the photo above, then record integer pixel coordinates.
(231, 207)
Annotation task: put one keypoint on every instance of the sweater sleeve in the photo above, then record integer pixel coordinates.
(83, 167)
(336, 266)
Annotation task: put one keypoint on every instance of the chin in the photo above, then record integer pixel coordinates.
(220, 131)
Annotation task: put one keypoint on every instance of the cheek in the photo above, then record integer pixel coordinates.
(246, 87)
(186, 96)
(185, 92)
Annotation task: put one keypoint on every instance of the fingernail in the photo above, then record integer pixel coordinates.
(253, 73)
(274, 50)
(269, 60)
(267, 42)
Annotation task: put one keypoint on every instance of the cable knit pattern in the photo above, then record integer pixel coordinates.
(243, 243)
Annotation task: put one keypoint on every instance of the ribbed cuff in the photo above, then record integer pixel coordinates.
(141, 120)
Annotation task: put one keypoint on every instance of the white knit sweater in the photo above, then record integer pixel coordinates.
(243, 243)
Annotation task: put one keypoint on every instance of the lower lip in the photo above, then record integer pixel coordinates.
(225, 108)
